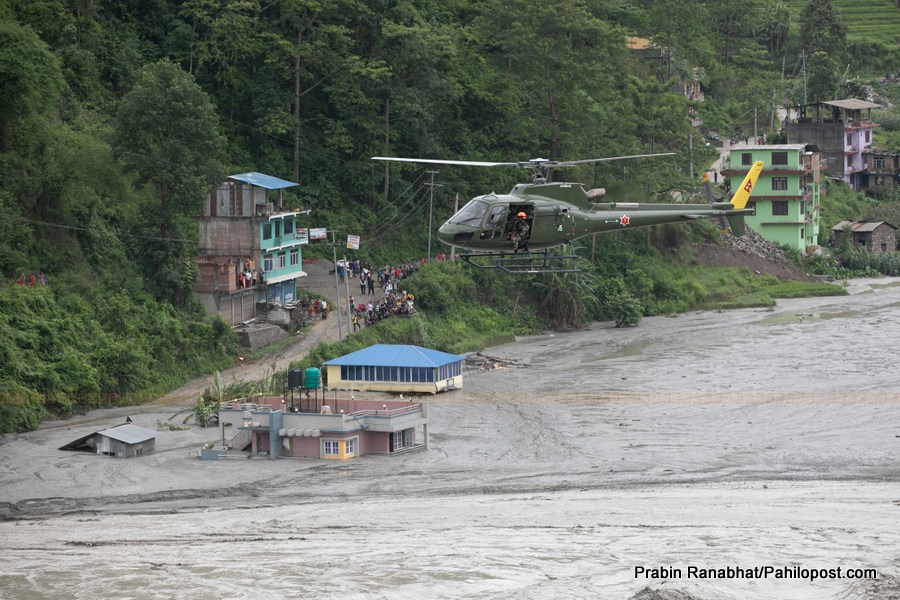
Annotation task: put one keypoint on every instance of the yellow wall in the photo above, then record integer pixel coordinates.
(342, 451)
(336, 383)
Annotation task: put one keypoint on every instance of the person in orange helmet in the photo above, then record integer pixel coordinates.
(520, 234)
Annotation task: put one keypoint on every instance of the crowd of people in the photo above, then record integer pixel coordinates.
(248, 276)
(392, 299)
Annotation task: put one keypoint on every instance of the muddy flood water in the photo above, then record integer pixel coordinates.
(750, 454)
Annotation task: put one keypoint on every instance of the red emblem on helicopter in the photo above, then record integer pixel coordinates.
(624, 220)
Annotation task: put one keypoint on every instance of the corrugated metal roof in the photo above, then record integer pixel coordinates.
(129, 434)
(264, 181)
(746, 146)
(852, 104)
(395, 355)
(860, 225)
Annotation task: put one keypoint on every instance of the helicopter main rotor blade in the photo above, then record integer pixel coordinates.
(566, 163)
(542, 163)
(468, 163)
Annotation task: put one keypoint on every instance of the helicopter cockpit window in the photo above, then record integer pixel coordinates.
(498, 216)
(470, 214)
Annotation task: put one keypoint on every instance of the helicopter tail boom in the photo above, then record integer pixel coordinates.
(742, 195)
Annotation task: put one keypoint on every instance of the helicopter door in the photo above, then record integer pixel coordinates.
(513, 228)
(495, 220)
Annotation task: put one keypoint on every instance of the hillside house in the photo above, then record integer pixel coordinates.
(882, 171)
(876, 237)
(786, 195)
(842, 132)
(250, 247)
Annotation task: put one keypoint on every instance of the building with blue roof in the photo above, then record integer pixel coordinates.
(250, 247)
(395, 368)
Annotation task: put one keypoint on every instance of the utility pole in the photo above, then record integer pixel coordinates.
(350, 309)
(430, 212)
(803, 63)
(337, 288)
(691, 151)
(755, 133)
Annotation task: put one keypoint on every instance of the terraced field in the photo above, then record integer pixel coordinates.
(867, 20)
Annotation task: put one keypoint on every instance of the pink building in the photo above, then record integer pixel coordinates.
(841, 130)
(340, 429)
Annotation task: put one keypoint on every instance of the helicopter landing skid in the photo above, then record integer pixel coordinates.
(526, 263)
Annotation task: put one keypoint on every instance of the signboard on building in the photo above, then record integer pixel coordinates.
(303, 235)
(318, 233)
(353, 242)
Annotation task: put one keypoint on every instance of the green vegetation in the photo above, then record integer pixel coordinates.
(866, 20)
(116, 119)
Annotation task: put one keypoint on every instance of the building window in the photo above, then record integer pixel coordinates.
(779, 183)
(331, 448)
(351, 447)
(403, 439)
(849, 161)
(779, 207)
(878, 162)
(746, 158)
(288, 227)
(267, 263)
(752, 206)
(295, 258)
(849, 139)
(282, 260)
(267, 231)
(868, 136)
(779, 158)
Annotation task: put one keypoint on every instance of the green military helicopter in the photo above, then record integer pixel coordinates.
(514, 232)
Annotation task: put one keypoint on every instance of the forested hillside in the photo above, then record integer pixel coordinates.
(118, 116)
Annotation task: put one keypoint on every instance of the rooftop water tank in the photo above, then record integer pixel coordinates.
(312, 378)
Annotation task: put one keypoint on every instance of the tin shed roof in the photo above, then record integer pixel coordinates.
(264, 181)
(852, 104)
(394, 355)
(129, 434)
(856, 226)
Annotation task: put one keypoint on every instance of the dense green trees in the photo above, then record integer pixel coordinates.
(166, 132)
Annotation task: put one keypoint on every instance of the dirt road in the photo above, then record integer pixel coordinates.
(319, 282)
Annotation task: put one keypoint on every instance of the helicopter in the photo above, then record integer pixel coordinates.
(515, 232)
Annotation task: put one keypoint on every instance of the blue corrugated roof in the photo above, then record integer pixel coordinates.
(262, 180)
(395, 355)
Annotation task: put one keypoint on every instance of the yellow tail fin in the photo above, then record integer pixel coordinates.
(742, 195)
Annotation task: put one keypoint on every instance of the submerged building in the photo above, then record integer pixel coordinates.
(395, 368)
(122, 441)
(312, 427)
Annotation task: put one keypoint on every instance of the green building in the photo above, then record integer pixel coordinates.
(786, 196)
